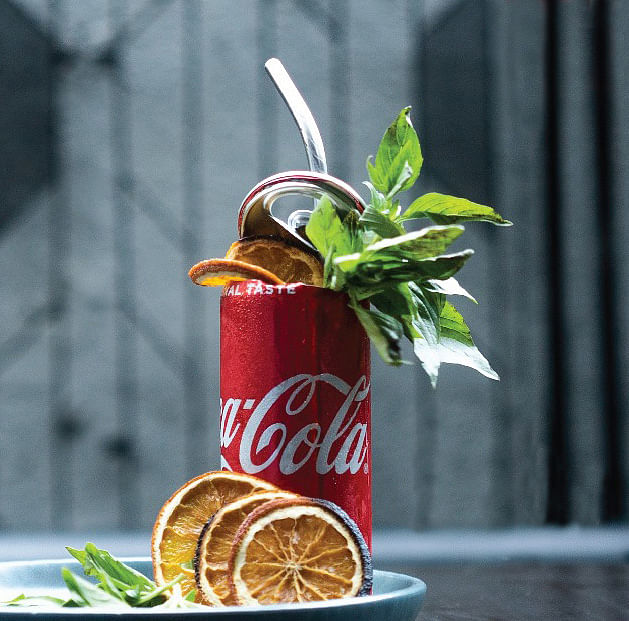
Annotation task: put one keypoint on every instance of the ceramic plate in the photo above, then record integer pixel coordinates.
(396, 597)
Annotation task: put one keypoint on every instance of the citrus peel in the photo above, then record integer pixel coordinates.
(298, 550)
(220, 272)
(181, 519)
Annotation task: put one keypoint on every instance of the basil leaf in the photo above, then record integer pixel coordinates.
(418, 311)
(381, 270)
(157, 595)
(328, 233)
(399, 158)
(352, 224)
(455, 346)
(405, 276)
(427, 242)
(381, 203)
(444, 209)
(33, 600)
(99, 562)
(380, 224)
(427, 316)
(118, 586)
(427, 322)
(85, 593)
(384, 331)
(449, 286)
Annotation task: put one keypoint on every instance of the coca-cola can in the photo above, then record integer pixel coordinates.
(295, 393)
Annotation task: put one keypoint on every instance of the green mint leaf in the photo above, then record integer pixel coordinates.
(381, 203)
(380, 224)
(378, 271)
(176, 600)
(384, 331)
(399, 158)
(118, 585)
(444, 209)
(117, 579)
(419, 311)
(427, 323)
(326, 230)
(328, 268)
(427, 316)
(427, 242)
(81, 556)
(33, 600)
(353, 225)
(84, 593)
(156, 596)
(401, 182)
(449, 286)
(455, 346)
(98, 562)
(396, 302)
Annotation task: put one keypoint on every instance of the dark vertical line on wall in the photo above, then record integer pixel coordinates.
(267, 98)
(558, 507)
(487, 97)
(502, 472)
(339, 84)
(60, 358)
(60, 352)
(427, 419)
(612, 494)
(195, 342)
(122, 447)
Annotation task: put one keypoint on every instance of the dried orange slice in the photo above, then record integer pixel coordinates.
(211, 562)
(290, 262)
(183, 516)
(219, 272)
(298, 550)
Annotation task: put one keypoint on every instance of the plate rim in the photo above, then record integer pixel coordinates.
(415, 588)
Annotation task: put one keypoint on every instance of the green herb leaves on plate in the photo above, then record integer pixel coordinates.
(398, 281)
(116, 585)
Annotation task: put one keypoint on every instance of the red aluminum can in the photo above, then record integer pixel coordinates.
(295, 393)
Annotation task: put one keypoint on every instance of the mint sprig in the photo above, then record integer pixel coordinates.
(117, 586)
(398, 282)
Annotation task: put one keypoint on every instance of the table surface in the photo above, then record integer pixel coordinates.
(585, 575)
(523, 592)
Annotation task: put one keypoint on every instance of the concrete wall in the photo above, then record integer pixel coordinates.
(164, 119)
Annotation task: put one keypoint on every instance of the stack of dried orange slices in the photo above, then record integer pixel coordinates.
(271, 260)
(239, 540)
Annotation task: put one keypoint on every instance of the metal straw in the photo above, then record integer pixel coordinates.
(301, 113)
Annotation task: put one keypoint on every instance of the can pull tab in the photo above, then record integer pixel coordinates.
(255, 216)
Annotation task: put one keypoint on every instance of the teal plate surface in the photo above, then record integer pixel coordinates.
(396, 597)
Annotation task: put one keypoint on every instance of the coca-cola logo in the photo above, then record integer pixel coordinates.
(264, 438)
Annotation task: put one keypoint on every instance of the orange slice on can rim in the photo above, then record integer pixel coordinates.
(211, 562)
(219, 272)
(181, 519)
(298, 550)
(288, 261)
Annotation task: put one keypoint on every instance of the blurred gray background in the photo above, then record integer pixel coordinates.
(131, 131)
